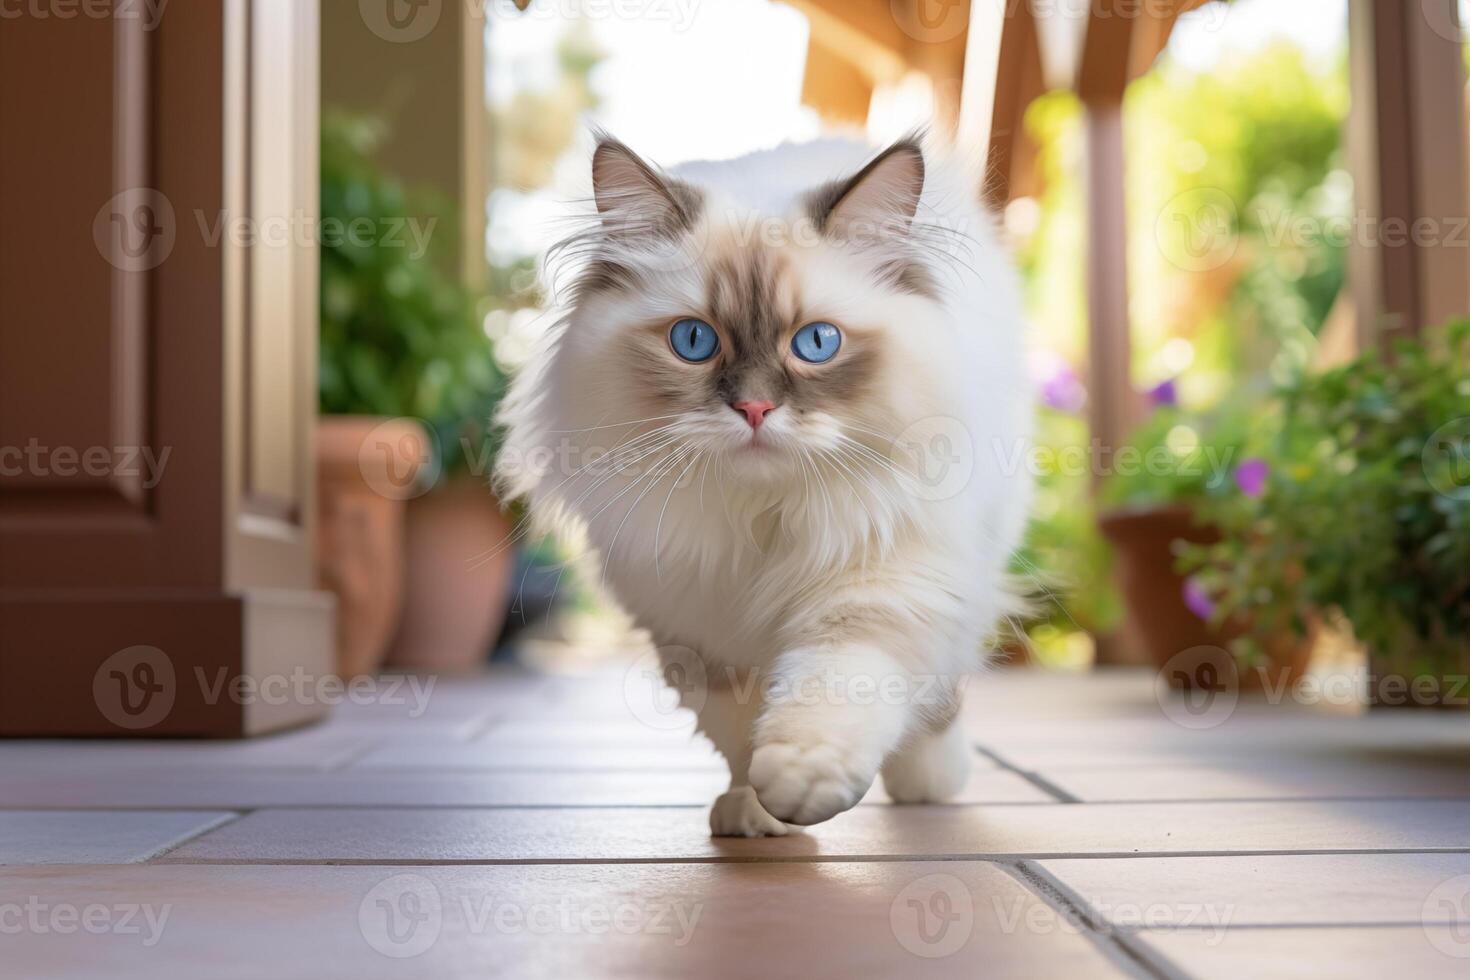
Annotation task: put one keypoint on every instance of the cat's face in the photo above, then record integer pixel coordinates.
(762, 341)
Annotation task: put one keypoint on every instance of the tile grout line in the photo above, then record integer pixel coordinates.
(168, 808)
(350, 758)
(956, 805)
(1119, 946)
(1035, 779)
(991, 858)
(482, 728)
(224, 821)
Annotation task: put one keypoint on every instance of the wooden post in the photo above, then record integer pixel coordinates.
(1411, 249)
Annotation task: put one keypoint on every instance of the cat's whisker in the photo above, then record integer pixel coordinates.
(658, 528)
(658, 475)
(524, 527)
(617, 425)
(843, 469)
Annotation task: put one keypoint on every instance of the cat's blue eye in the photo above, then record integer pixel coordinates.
(816, 342)
(694, 340)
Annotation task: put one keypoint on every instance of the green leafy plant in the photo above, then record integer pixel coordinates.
(1179, 457)
(399, 336)
(1360, 506)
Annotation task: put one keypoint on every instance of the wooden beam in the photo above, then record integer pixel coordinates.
(835, 87)
(1106, 49)
(881, 41)
(1019, 81)
(863, 32)
(1410, 260)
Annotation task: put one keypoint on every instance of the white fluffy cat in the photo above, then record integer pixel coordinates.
(785, 402)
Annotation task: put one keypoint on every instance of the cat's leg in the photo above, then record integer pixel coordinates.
(726, 718)
(931, 767)
(833, 713)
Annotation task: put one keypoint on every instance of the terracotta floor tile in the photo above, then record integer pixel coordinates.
(1423, 953)
(662, 834)
(776, 921)
(95, 836)
(1215, 779)
(491, 755)
(308, 748)
(1270, 890)
(244, 790)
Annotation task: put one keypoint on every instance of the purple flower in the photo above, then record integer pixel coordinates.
(1165, 394)
(1061, 388)
(1251, 475)
(1197, 598)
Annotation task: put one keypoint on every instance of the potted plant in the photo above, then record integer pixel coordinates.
(407, 386)
(1156, 502)
(1363, 510)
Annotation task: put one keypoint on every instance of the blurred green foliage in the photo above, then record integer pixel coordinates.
(1179, 456)
(1238, 207)
(399, 336)
(1063, 567)
(1365, 512)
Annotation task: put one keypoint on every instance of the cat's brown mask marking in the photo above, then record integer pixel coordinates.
(753, 302)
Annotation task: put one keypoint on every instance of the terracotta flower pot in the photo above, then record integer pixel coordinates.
(366, 468)
(459, 560)
(1143, 541)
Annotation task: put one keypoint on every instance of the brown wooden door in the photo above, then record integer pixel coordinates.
(158, 182)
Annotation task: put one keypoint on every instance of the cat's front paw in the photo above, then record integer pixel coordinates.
(739, 814)
(807, 784)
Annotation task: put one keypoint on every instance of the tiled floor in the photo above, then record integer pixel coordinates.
(522, 826)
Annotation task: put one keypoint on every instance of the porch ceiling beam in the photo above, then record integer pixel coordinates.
(863, 32)
(1019, 79)
(1122, 40)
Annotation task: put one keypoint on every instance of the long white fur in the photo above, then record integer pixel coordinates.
(742, 559)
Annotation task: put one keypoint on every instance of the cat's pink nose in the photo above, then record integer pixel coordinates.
(754, 411)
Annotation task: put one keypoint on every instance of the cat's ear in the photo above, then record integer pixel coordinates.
(625, 186)
(884, 195)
